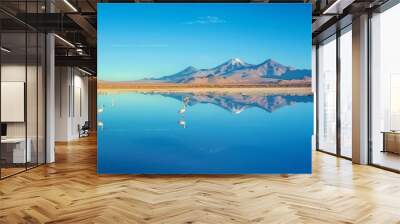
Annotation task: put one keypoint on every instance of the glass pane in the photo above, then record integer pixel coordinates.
(327, 96)
(385, 114)
(31, 100)
(346, 93)
(41, 98)
(31, 88)
(13, 87)
(23, 90)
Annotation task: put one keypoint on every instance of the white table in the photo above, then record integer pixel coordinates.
(20, 155)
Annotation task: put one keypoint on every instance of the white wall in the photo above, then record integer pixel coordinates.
(80, 104)
(62, 82)
(71, 102)
(17, 73)
(13, 72)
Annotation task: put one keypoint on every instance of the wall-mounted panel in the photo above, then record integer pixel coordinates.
(12, 101)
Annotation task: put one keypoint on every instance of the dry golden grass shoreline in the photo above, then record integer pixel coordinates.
(223, 89)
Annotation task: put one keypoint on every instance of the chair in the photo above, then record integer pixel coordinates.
(84, 130)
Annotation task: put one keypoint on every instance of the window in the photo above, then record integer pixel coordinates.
(327, 95)
(346, 92)
(385, 89)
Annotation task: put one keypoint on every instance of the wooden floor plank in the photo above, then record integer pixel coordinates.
(70, 191)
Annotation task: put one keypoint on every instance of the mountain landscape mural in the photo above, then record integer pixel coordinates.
(211, 88)
(233, 72)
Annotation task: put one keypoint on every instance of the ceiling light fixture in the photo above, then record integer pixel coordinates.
(70, 5)
(79, 51)
(334, 5)
(84, 71)
(64, 40)
(5, 50)
(337, 7)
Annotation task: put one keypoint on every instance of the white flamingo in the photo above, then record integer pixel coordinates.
(182, 110)
(182, 123)
(100, 109)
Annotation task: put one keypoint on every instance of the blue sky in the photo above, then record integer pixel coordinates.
(137, 41)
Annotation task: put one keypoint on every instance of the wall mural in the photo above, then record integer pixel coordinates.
(204, 88)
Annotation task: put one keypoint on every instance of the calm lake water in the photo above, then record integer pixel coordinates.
(204, 133)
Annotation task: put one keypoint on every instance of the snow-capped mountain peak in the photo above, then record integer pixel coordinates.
(230, 65)
(236, 61)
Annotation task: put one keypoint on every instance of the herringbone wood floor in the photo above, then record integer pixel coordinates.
(70, 191)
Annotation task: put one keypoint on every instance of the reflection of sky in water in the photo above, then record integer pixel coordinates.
(204, 133)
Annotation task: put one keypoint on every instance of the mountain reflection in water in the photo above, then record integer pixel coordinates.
(234, 102)
(238, 102)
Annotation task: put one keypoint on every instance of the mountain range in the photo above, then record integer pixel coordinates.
(236, 71)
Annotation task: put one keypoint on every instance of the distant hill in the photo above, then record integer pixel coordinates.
(236, 71)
